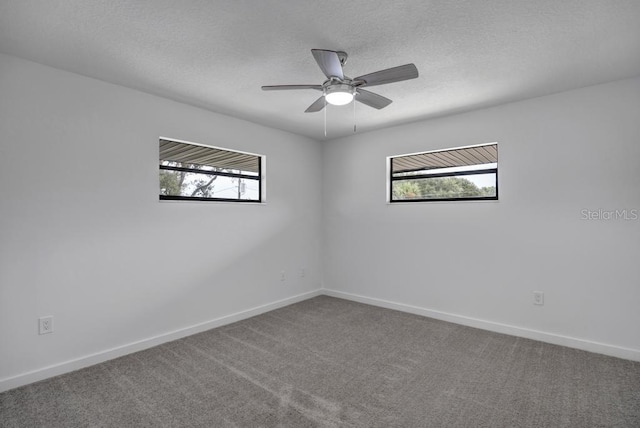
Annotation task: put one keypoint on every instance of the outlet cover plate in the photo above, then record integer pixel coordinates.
(45, 325)
(538, 298)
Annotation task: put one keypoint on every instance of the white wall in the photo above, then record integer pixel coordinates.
(84, 238)
(478, 262)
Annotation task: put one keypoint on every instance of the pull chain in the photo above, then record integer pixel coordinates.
(354, 114)
(325, 116)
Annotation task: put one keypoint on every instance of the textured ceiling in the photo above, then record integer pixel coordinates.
(217, 54)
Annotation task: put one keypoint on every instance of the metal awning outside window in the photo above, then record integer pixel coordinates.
(173, 151)
(478, 155)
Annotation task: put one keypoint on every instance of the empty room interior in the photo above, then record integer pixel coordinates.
(320, 213)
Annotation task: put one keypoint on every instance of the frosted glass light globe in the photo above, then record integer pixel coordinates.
(339, 95)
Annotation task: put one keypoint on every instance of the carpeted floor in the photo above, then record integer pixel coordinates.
(329, 362)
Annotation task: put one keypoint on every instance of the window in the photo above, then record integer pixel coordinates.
(462, 174)
(193, 172)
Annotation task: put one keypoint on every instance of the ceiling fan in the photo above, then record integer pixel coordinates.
(340, 89)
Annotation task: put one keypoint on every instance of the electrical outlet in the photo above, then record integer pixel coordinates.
(538, 298)
(45, 325)
(282, 275)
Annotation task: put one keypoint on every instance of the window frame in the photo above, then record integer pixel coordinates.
(259, 177)
(391, 179)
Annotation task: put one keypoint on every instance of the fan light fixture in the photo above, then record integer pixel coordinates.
(339, 95)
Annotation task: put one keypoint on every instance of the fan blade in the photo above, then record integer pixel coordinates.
(371, 99)
(329, 63)
(287, 87)
(390, 75)
(317, 105)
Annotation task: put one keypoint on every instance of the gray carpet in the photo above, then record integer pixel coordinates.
(328, 362)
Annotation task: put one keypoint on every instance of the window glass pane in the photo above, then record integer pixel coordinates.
(190, 171)
(460, 186)
(451, 174)
(194, 185)
(446, 170)
(207, 168)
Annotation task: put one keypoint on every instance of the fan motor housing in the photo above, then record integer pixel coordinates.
(338, 87)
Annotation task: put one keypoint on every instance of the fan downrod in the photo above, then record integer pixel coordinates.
(342, 56)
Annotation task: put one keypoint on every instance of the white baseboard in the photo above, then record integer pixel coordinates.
(99, 357)
(109, 354)
(556, 339)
